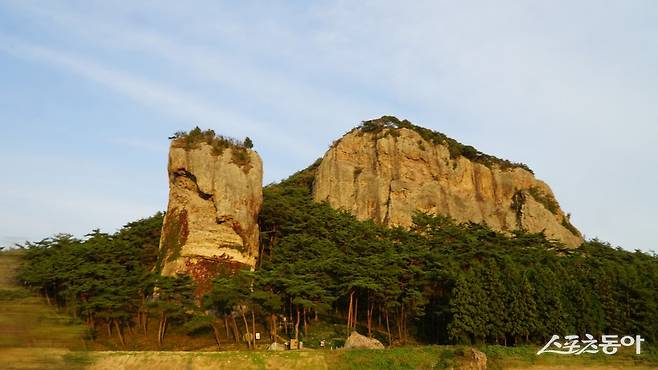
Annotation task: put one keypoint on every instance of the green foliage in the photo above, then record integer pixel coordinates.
(440, 282)
(567, 224)
(547, 200)
(390, 124)
(446, 282)
(240, 157)
(173, 298)
(219, 143)
(100, 279)
(518, 201)
(144, 234)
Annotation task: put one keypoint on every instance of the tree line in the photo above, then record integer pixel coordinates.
(440, 282)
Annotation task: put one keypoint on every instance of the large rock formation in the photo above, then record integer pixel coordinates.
(215, 195)
(387, 169)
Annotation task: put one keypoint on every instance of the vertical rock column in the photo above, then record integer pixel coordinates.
(211, 223)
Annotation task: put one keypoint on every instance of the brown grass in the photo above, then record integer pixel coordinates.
(32, 334)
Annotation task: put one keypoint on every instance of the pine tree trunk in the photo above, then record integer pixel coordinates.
(379, 316)
(226, 326)
(349, 314)
(246, 329)
(356, 313)
(215, 331)
(388, 328)
(369, 319)
(285, 326)
(164, 328)
(140, 318)
(253, 327)
(305, 322)
(161, 328)
(145, 324)
(399, 323)
(236, 332)
(272, 327)
(119, 333)
(403, 322)
(297, 324)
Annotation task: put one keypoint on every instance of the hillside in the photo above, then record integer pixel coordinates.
(387, 169)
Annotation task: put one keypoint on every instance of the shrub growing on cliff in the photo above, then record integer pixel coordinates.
(389, 124)
(546, 200)
(219, 143)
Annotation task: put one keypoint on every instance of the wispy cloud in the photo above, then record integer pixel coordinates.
(267, 83)
(146, 92)
(155, 95)
(568, 87)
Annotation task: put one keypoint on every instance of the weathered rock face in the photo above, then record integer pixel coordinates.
(211, 221)
(388, 175)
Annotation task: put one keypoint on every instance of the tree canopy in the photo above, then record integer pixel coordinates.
(439, 282)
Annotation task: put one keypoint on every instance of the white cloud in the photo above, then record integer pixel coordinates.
(568, 87)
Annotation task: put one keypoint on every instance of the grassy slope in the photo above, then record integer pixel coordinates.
(32, 334)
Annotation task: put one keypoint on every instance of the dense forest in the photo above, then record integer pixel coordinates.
(439, 282)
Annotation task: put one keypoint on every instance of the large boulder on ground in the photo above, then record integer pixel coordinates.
(276, 347)
(474, 360)
(357, 340)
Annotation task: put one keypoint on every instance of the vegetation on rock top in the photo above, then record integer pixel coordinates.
(219, 143)
(455, 148)
(547, 200)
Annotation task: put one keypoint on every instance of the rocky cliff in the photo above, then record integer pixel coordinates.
(387, 169)
(215, 195)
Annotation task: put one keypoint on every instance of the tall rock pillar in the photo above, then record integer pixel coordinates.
(215, 195)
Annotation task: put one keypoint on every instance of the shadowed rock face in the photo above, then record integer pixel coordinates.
(388, 175)
(211, 221)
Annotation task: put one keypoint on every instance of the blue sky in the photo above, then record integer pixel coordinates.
(90, 90)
